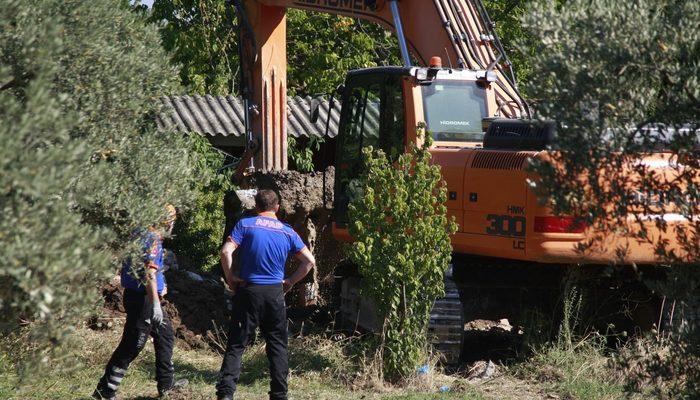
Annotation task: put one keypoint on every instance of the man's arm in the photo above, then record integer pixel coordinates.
(307, 263)
(152, 284)
(226, 265)
(156, 314)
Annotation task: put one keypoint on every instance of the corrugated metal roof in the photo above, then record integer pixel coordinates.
(223, 116)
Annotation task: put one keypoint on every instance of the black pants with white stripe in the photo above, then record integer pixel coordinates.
(134, 338)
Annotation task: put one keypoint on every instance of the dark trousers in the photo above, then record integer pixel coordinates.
(253, 306)
(134, 338)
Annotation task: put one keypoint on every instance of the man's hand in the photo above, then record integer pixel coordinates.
(307, 262)
(234, 283)
(156, 314)
(287, 285)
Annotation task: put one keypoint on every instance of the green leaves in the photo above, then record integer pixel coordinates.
(402, 248)
(82, 162)
(620, 79)
(321, 48)
(198, 231)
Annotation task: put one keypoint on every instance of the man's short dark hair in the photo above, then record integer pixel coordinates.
(266, 200)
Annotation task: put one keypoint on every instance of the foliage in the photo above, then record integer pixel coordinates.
(321, 47)
(83, 165)
(199, 231)
(201, 39)
(667, 363)
(301, 155)
(614, 71)
(622, 81)
(402, 248)
(506, 15)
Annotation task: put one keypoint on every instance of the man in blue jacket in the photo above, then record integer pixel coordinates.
(143, 287)
(264, 243)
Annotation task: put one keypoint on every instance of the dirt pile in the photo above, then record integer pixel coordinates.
(306, 204)
(199, 309)
(196, 303)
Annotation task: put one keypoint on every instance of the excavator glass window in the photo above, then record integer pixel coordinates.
(372, 115)
(454, 109)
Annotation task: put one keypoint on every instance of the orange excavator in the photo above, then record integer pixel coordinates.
(506, 239)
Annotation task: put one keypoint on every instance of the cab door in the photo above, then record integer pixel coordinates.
(372, 115)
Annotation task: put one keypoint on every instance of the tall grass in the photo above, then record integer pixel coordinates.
(574, 365)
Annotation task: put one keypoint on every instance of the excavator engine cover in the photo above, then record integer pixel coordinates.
(518, 134)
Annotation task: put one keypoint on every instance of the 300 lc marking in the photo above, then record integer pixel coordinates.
(506, 225)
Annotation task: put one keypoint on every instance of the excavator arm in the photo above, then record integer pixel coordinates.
(457, 29)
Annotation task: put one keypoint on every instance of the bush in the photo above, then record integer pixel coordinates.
(199, 230)
(606, 71)
(402, 248)
(82, 162)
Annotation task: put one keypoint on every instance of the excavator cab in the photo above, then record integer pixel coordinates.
(372, 114)
(382, 107)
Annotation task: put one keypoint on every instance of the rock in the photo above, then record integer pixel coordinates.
(246, 198)
(193, 276)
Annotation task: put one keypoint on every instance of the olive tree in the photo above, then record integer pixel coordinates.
(82, 163)
(621, 79)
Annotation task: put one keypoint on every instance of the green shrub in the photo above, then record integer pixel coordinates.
(301, 157)
(199, 230)
(402, 248)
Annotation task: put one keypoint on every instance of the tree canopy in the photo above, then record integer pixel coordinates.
(622, 83)
(83, 164)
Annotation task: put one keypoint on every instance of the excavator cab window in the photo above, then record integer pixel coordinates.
(454, 109)
(372, 115)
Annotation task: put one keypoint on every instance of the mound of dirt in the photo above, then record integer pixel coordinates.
(306, 201)
(196, 303)
(199, 309)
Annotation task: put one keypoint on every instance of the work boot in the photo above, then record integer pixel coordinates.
(98, 395)
(178, 384)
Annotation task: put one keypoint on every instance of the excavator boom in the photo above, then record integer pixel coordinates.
(459, 30)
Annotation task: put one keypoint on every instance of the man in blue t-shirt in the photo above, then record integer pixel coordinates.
(264, 243)
(144, 284)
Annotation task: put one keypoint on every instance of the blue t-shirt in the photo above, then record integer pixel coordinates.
(152, 258)
(264, 243)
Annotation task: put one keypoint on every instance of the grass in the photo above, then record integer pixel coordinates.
(574, 366)
(571, 367)
(318, 371)
(580, 371)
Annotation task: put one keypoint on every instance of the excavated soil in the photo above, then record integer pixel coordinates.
(198, 309)
(306, 202)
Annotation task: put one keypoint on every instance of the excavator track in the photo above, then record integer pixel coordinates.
(446, 327)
